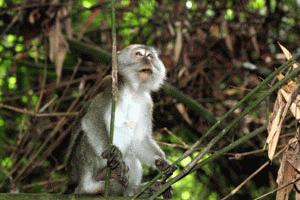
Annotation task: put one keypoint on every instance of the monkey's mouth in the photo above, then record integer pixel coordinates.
(146, 70)
(145, 73)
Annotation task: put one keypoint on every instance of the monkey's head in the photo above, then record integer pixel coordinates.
(140, 66)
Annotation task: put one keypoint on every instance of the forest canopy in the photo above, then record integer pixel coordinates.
(232, 89)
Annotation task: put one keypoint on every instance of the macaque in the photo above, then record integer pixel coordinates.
(140, 72)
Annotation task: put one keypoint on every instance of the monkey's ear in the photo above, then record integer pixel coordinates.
(156, 50)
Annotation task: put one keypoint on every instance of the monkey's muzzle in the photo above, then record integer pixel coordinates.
(146, 70)
(145, 73)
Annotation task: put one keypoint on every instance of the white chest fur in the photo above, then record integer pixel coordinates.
(132, 118)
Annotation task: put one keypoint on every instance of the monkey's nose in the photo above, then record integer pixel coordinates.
(146, 60)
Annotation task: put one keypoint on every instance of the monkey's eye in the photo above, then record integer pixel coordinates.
(138, 53)
(149, 56)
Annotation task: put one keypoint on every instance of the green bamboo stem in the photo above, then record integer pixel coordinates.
(46, 196)
(114, 90)
(96, 53)
(229, 147)
(226, 149)
(239, 104)
(189, 102)
(250, 108)
(219, 122)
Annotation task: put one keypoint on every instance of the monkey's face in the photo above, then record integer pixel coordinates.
(141, 66)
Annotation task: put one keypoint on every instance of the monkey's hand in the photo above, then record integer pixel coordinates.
(115, 162)
(164, 166)
(168, 170)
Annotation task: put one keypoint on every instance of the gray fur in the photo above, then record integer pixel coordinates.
(140, 146)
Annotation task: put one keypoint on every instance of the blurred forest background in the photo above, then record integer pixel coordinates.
(54, 54)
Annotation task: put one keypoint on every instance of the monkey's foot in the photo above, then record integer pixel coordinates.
(164, 166)
(120, 173)
(113, 156)
(115, 162)
(168, 194)
(154, 188)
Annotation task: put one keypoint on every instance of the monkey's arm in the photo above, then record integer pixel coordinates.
(93, 123)
(94, 127)
(148, 151)
(146, 148)
(152, 155)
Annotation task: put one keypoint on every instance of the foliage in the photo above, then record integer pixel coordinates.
(214, 51)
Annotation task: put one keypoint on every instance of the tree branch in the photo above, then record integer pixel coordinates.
(45, 196)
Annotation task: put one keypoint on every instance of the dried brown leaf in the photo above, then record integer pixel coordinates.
(293, 154)
(274, 126)
(215, 30)
(228, 42)
(182, 110)
(58, 47)
(297, 184)
(289, 169)
(254, 39)
(171, 29)
(89, 21)
(285, 175)
(228, 37)
(287, 54)
(67, 22)
(290, 86)
(284, 102)
(295, 107)
(280, 76)
(178, 42)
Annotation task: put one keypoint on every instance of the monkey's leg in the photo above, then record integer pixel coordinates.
(88, 185)
(115, 162)
(114, 156)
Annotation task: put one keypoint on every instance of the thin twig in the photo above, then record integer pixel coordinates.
(184, 145)
(238, 156)
(250, 108)
(216, 125)
(54, 132)
(50, 87)
(214, 156)
(250, 94)
(278, 188)
(27, 112)
(172, 145)
(236, 189)
(11, 24)
(44, 183)
(114, 89)
(68, 84)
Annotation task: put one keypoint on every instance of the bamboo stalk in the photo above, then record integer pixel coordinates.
(189, 102)
(221, 120)
(46, 196)
(114, 90)
(192, 165)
